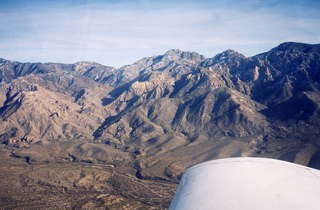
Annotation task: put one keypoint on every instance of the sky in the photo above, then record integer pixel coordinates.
(119, 32)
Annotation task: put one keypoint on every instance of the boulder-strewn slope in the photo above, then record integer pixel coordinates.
(153, 119)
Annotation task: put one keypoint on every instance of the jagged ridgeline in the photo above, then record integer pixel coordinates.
(162, 114)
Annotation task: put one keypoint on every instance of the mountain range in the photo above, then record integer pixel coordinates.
(90, 136)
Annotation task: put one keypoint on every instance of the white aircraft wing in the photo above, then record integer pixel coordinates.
(248, 184)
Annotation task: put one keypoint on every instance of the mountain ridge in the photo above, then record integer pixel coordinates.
(149, 121)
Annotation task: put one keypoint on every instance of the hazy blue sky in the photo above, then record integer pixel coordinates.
(116, 32)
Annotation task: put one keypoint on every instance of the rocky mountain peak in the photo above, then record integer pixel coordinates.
(226, 57)
(293, 45)
(87, 63)
(292, 50)
(177, 54)
(2, 60)
(227, 54)
(174, 52)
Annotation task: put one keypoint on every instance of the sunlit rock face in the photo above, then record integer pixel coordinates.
(248, 183)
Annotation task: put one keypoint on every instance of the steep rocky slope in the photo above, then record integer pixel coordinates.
(147, 122)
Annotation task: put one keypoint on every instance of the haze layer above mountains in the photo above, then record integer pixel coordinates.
(144, 124)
